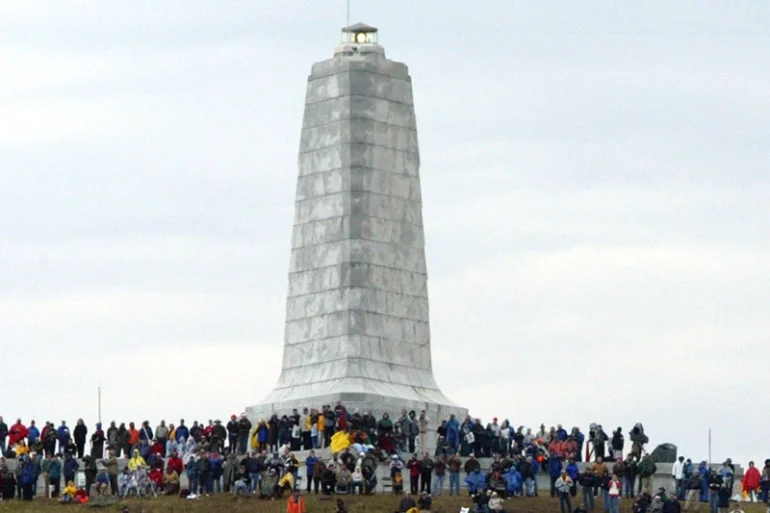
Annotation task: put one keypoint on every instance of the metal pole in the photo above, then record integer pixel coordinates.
(99, 391)
(348, 16)
(709, 446)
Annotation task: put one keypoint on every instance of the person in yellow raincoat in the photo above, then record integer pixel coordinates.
(69, 491)
(136, 462)
(258, 437)
(285, 483)
(320, 427)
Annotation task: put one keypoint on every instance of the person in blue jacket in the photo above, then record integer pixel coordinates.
(69, 467)
(310, 463)
(216, 461)
(33, 433)
(536, 468)
(703, 471)
(513, 481)
(554, 471)
(476, 482)
(573, 472)
(453, 434)
(28, 477)
(561, 433)
(64, 437)
(145, 432)
(182, 432)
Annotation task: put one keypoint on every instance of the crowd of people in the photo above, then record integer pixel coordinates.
(247, 459)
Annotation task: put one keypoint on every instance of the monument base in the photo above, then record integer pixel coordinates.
(364, 402)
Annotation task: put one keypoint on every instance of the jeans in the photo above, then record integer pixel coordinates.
(241, 487)
(254, 481)
(606, 500)
(2, 446)
(714, 501)
(454, 483)
(615, 504)
(243, 439)
(628, 487)
(529, 487)
(564, 500)
(438, 486)
(588, 498)
(217, 484)
(194, 480)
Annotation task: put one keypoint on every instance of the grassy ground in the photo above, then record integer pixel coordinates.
(373, 504)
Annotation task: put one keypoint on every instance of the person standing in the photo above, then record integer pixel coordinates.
(45, 471)
(310, 462)
(422, 423)
(426, 473)
(751, 481)
(613, 494)
(563, 486)
(3, 436)
(454, 464)
(647, 469)
(97, 442)
(232, 434)
(677, 472)
(586, 481)
(79, 434)
(244, 428)
(414, 474)
(111, 464)
(693, 491)
(440, 470)
(69, 467)
(55, 475)
(161, 435)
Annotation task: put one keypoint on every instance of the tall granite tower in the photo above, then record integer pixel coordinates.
(357, 325)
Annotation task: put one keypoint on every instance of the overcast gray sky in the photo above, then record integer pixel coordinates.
(595, 187)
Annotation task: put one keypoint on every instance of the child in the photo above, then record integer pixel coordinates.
(398, 484)
(69, 492)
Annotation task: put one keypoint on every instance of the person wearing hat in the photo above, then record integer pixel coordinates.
(218, 436)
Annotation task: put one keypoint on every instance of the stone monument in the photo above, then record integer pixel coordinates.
(357, 326)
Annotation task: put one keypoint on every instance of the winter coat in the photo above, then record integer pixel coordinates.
(751, 479)
(64, 434)
(69, 467)
(79, 434)
(182, 433)
(554, 466)
(16, 434)
(475, 481)
(563, 484)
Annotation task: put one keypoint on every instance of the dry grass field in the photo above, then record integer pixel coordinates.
(370, 504)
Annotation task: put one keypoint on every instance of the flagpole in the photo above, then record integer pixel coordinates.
(709, 446)
(99, 393)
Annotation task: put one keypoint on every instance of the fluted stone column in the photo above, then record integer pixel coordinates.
(357, 315)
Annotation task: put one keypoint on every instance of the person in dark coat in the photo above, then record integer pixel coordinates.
(97, 442)
(79, 434)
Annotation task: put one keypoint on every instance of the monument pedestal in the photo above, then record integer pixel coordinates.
(357, 316)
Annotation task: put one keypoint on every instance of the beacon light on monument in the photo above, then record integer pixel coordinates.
(359, 33)
(357, 319)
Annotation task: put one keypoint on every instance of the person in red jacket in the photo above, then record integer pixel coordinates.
(751, 481)
(175, 463)
(156, 477)
(17, 433)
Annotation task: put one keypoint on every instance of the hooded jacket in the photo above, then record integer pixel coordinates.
(136, 461)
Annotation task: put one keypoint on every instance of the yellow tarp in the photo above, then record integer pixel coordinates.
(340, 442)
